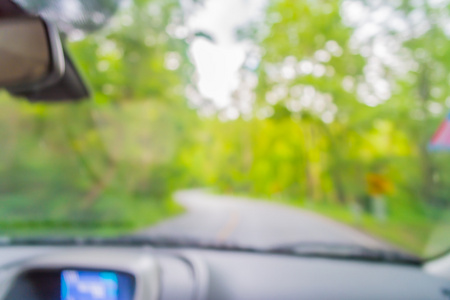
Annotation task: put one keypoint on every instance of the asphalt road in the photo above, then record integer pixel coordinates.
(253, 223)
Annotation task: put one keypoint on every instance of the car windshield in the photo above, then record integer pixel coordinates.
(254, 122)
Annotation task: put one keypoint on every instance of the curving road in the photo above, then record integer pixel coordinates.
(253, 223)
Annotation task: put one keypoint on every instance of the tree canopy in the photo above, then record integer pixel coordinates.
(343, 94)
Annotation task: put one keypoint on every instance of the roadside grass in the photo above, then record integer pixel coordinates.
(408, 230)
(110, 216)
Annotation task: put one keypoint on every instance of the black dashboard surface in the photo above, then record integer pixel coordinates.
(221, 275)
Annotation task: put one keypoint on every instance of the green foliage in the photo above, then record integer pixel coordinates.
(109, 160)
(117, 158)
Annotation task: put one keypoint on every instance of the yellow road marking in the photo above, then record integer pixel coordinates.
(229, 227)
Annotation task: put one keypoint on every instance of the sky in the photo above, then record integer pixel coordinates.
(217, 63)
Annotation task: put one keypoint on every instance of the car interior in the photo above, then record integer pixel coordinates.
(38, 67)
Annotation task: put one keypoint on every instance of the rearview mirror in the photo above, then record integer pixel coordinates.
(31, 55)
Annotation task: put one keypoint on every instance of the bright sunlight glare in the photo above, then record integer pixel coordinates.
(218, 62)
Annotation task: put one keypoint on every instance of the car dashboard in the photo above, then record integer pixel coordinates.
(138, 273)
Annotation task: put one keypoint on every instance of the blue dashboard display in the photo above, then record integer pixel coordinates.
(89, 285)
